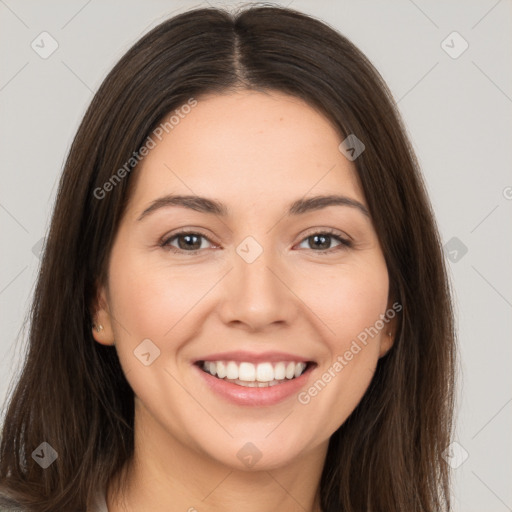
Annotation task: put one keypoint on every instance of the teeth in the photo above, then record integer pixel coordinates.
(254, 384)
(232, 370)
(246, 372)
(211, 367)
(220, 369)
(290, 371)
(279, 371)
(250, 375)
(264, 372)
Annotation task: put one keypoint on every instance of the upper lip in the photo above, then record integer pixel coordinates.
(253, 357)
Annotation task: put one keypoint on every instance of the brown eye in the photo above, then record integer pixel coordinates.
(321, 242)
(186, 242)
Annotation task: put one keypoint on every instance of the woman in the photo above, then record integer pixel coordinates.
(242, 301)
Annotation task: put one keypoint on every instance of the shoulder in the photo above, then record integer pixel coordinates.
(99, 503)
(9, 505)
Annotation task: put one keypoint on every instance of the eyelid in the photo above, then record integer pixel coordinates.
(328, 231)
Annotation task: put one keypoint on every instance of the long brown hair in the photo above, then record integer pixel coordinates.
(72, 392)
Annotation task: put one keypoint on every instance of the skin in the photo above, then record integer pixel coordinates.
(256, 153)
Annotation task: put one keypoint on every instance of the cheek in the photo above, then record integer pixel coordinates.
(149, 300)
(138, 301)
(350, 308)
(348, 301)
(356, 317)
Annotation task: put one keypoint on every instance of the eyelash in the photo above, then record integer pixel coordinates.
(344, 243)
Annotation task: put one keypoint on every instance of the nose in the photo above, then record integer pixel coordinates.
(258, 295)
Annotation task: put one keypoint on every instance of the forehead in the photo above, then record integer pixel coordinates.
(265, 148)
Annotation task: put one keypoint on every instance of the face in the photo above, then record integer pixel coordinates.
(251, 275)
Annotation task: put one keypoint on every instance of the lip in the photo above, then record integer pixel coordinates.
(252, 357)
(241, 395)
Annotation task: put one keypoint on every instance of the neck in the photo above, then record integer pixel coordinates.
(167, 475)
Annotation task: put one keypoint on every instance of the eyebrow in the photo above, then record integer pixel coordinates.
(211, 206)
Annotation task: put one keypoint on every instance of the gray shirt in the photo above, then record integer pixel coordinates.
(100, 504)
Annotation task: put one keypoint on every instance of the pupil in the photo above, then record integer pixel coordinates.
(326, 241)
(189, 245)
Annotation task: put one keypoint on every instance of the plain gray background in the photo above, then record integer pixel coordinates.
(457, 108)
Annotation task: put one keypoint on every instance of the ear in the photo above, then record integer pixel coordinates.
(101, 318)
(390, 327)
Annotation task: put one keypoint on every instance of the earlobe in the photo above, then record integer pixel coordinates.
(386, 342)
(101, 319)
(389, 331)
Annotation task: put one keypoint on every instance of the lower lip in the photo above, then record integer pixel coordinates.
(242, 395)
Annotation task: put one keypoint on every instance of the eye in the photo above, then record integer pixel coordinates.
(322, 240)
(187, 241)
(191, 242)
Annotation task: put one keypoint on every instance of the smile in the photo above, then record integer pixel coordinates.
(258, 383)
(259, 375)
